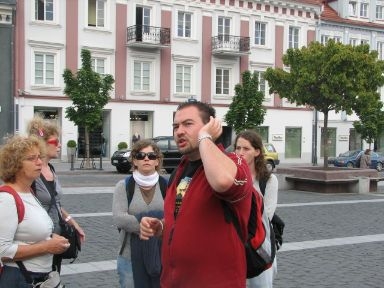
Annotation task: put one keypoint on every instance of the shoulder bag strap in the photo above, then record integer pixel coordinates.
(24, 271)
(53, 200)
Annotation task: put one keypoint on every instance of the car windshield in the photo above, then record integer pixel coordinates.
(350, 153)
(270, 148)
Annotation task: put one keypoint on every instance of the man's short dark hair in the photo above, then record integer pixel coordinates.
(206, 110)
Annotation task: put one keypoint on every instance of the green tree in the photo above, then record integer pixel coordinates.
(329, 77)
(89, 92)
(371, 123)
(246, 110)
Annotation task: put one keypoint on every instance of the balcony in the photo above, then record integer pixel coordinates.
(148, 36)
(230, 45)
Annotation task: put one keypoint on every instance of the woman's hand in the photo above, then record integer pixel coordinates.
(150, 227)
(80, 232)
(57, 244)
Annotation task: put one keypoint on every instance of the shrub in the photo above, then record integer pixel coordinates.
(122, 145)
(71, 144)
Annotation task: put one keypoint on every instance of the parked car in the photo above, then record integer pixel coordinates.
(351, 159)
(171, 153)
(120, 160)
(270, 154)
(167, 145)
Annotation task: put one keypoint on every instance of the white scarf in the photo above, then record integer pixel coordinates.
(145, 180)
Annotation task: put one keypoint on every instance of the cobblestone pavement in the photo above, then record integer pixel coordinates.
(333, 240)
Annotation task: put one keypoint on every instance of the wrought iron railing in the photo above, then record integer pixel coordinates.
(148, 34)
(231, 43)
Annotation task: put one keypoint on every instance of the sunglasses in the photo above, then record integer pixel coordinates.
(55, 142)
(142, 155)
(34, 158)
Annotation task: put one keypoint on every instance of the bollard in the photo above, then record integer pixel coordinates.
(72, 162)
(101, 162)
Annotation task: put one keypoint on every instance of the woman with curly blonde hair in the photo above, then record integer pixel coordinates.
(32, 240)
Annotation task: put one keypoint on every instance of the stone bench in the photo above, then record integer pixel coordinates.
(324, 185)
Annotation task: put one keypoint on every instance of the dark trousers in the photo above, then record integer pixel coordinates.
(13, 277)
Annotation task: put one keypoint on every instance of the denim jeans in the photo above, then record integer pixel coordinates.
(124, 270)
(12, 277)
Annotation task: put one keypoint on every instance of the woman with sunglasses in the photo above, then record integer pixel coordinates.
(137, 258)
(27, 238)
(47, 185)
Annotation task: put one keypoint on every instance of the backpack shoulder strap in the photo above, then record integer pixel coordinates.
(231, 217)
(51, 167)
(130, 188)
(18, 201)
(262, 185)
(163, 186)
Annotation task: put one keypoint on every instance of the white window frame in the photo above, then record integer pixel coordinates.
(380, 12)
(55, 13)
(380, 49)
(353, 41)
(224, 29)
(95, 64)
(352, 7)
(184, 13)
(141, 91)
(45, 4)
(324, 38)
(293, 32)
(45, 62)
(364, 8)
(105, 16)
(222, 88)
(262, 26)
(263, 85)
(184, 79)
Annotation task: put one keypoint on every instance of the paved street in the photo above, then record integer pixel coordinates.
(330, 240)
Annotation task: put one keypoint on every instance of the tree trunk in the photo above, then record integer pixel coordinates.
(87, 164)
(325, 139)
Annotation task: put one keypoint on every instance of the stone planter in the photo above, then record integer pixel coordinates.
(330, 180)
(71, 151)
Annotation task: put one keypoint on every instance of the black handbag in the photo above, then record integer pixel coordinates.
(69, 232)
(278, 227)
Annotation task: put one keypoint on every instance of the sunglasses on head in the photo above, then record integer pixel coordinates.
(54, 142)
(142, 155)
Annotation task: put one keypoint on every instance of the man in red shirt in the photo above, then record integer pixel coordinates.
(199, 248)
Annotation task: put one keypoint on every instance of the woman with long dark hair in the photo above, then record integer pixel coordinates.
(249, 145)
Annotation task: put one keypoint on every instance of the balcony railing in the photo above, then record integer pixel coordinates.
(150, 36)
(228, 44)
